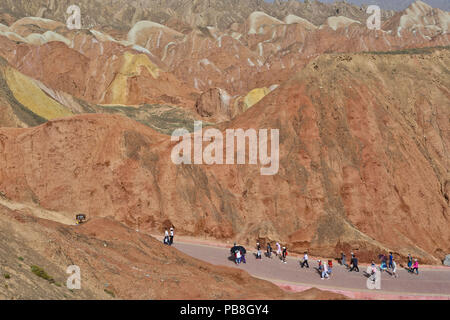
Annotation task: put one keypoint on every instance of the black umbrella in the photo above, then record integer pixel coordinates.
(236, 248)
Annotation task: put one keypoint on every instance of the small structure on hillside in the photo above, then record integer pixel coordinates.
(81, 218)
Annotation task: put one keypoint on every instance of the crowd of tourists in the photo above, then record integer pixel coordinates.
(387, 263)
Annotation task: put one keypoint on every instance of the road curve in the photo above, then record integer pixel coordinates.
(431, 283)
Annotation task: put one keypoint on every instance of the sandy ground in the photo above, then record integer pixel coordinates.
(37, 211)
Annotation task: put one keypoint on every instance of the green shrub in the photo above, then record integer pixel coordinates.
(41, 273)
(110, 293)
(425, 50)
(7, 276)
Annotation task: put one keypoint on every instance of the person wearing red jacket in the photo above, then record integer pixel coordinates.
(330, 266)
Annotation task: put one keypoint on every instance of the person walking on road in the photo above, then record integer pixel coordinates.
(320, 267)
(354, 264)
(330, 267)
(171, 236)
(284, 255)
(278, 249)
(305, 260)
(415, 267)
(166, 237)
(343, 260)
(238, 256)
(269, 251)
(373, 272)
(383, 266)
(410, 261)
(258, 254)
(258, 251)
(325, 271)
(391, 257)
(394, 268)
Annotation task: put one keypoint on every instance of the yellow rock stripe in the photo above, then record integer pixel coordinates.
(31, 96)
(254, 96)
(131, 66)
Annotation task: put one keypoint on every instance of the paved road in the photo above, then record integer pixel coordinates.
(429, 282)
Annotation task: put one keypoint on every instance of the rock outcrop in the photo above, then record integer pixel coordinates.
(363, 145)
(116, 262)
(363, 136)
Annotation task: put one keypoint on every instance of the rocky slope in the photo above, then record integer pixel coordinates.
(363, 158)
(216, 73)
(363, 136)
(115, 262)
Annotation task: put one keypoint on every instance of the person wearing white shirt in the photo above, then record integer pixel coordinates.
(238, 257)
(394, 269)
(171, 236)
(305, 260)
(166, 237)
(325, 271)
(278, 249)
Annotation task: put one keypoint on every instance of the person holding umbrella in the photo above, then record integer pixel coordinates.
(242, 251)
